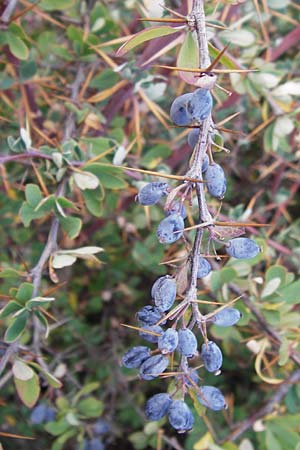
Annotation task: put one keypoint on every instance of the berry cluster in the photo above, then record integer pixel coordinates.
(172, 328)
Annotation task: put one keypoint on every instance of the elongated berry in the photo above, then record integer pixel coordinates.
(180, 416)
(135, 357)
(187, 342)
(215, 181)
(178, 112)
(242, 248)
(227, 317)
(170, 229)
(211, 356)
(93, 444)
(157, 406)
(163, 292)
(152, 192)
(193, 137)
(153, 367)
(151, 337)
(177, 208)
(101, 426)
(192, 378)
(212, 398)
(50, 414)
(204, 267)
(168, 341)
(149, 315)
(199, 106)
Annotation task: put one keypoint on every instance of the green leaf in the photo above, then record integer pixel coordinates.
(241, 38)
(155, 155)
(42, 318)
(58, 427)
(97, 145)
(25, 292)
(90, 407)
(71, 225)
(9, 273)
(16, 328)
(271, 287)
(271, 442)
(39, 301)
(59, 443)
(276, 271)
(87, 389)
(17, 46)
(107, 175)
(94, 201)
(146, 35)
(65, 203)
(28, 390)
(27, 69)
(22, 371)
(188, 57)
(85, 180)
(291, 293)
(53, 5)
(52, 380)
(33, 195)
(225, 59)
(63, 260)
(10, 308)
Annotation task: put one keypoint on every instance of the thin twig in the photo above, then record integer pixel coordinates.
(265, 410)
(9, 10)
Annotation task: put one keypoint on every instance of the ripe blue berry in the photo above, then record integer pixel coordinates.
(100, 427)
(193, 137)
(168, 341)
(177, 208)
(187, 342)
(178, 112)
(194, 377)
(180, 416)
(135, 357)
(199, 106)
(38, 414)
(212, 398)
(149, 315)
(211, 356)
(163, 292)
(215, 181)
(153, 338)
(204, 267)
(152, 192)
(157, 406)
(242, 248)
(153, 367)
(227, 317)
(50, 414)
(170, 229)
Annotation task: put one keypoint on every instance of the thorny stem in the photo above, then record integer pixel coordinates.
(198, 17)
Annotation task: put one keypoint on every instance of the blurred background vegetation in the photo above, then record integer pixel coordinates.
(65, 94)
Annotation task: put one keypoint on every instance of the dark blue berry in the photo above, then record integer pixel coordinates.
(187, 342)
(178, 112)
(204, 267)
(38, 414)
(168, 341)
(135, 357)
(163, 292)
(153, 338)
(215, 181)
(101, 427)
(212, 398)
(227, 317)
(211, 356)
(199, 106)
(242, 248)
(149, 315)
(153, 367)
(152, 192)
(157, 406)
(180, 416)
(170, 229)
